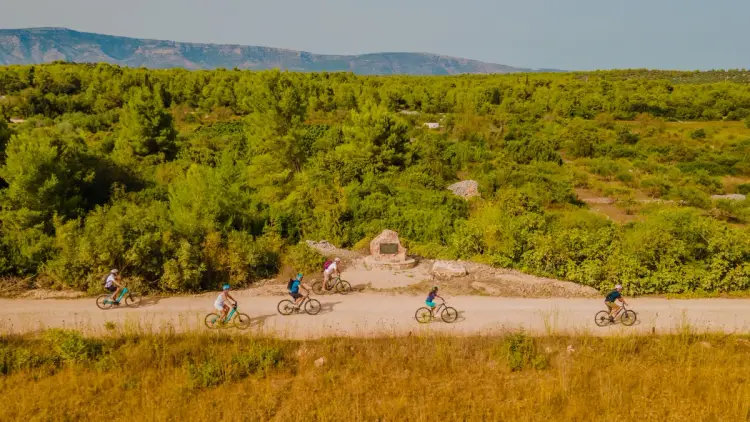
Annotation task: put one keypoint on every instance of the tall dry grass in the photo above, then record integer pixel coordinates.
(202, 376)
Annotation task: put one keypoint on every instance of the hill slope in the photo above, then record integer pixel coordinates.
(41, 45)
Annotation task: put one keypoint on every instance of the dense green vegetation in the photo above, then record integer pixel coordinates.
(186, 180)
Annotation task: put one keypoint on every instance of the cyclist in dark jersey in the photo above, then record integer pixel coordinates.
(610, 299)
(431, 298)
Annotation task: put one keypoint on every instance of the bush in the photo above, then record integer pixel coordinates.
(71, 346)
(521, 353)
(303, 258)
(260, 360)
(698, 134)
(209, 373)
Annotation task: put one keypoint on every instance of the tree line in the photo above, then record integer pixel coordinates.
(187, 180)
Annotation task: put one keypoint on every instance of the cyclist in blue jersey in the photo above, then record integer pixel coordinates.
(610, 299)
(294, 285)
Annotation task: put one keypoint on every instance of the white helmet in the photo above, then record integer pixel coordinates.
(337, 260)
(114, 271)
(618, 287)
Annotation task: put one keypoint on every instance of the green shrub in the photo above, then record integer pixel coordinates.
(209, 373)
(258, 361)
(71, 346)
(698, 134)
(303, 258)
(521, 353)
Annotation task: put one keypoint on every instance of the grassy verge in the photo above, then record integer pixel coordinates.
(61, 375)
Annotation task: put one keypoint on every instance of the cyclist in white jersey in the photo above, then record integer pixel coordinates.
(221, 302)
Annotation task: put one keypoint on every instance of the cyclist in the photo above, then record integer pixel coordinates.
(113, 285)
(220, 303)
(431, 298)
(610, 299)
(329, 269)
(294, 286)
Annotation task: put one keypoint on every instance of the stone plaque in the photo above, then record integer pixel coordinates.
(389, 248)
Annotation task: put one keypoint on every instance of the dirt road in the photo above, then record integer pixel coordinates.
(372, 314)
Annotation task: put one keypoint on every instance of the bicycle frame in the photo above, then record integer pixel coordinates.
(119, 298)
(436, 310)
(619, 311)
(330, 284)
(230, 314)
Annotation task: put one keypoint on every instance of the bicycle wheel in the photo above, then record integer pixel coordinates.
(241, 321)
(343, 287)
(212, 320)
(285, 307)
(312, 307)
(317, 288)
(423, 315)
(602, 318)
(133, 300)
(628, 318)
(449, 314)
(103, 302)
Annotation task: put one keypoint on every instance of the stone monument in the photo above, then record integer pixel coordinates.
(386, 251)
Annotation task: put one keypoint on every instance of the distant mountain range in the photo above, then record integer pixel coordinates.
(42, 45)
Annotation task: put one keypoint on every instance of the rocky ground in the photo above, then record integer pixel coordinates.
(457, 277)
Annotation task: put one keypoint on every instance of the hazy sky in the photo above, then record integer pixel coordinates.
(564, 34)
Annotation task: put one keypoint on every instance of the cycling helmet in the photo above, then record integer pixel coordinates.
(226, 287)
(618, 287)
(337, 260)
(434, 287)
(113, 271)
(299, 276)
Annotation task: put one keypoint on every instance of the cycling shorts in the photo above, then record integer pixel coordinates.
(430, 303)
(296, 295)
(111, 288)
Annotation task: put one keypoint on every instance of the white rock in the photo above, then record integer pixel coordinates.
(465, 188)
(447, 269)
(320, 362)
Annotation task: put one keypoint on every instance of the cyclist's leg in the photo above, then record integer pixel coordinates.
(298, 298)
(431, 304)
(613, 309)
(114, 295)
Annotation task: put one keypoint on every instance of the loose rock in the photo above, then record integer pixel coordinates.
(465, 189)
(447, 269)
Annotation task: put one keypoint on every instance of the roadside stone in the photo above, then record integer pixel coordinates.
(465, 188)
(320, 362)
(447, 269)
(571, 349)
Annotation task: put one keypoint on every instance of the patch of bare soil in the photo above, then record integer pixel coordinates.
(480, 279)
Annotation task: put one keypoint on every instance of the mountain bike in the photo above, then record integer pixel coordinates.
(425, 314)
(233, 319)
(337, 284)
(627, 317)
(288, 307)
(132, 299)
